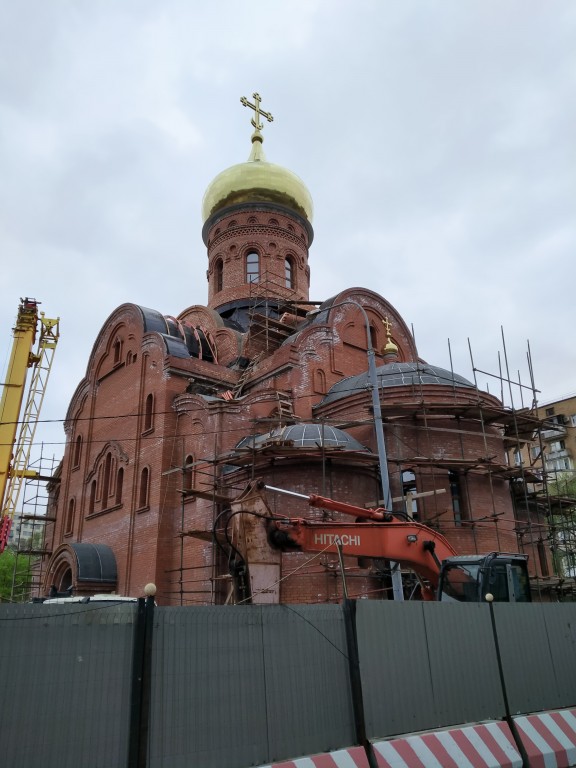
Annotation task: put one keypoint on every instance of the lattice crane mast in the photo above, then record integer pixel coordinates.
(16, 443)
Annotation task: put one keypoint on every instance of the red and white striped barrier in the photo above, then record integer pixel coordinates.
(354, 757)
(549, 738)
(489, 745)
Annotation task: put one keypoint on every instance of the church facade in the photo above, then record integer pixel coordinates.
(176, 414)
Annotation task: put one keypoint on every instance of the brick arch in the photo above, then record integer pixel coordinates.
(86, 567)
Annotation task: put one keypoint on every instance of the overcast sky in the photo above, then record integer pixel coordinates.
(436, 139)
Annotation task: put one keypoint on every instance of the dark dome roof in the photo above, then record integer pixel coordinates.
(397, 375)
(304, 435)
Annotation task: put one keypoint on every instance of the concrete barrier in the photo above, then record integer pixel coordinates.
(486, 745)
(549, 738)
(354, 757)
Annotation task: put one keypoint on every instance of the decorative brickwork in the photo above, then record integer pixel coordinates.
(161, 433)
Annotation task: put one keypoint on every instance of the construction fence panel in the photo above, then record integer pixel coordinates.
(426, 665)
(66, 679)
(560, 623)
(309, 705)
(537, 644)
(234, 686)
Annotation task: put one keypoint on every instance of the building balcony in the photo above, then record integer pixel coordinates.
(556, 433)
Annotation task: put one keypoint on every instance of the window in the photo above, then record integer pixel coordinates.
(77, 451)
(218, 275)
(119, 484)
(117, 351)
(149, 413)
(143, 491)
(456, 493)
(373, 337)
(92, 502)
(252, 267)
(106, 480)
(289, 272)
(409, 487)
(189, 473)
(543, 559)
(517, 458)
(535, 451)
(70, 516)
(549, 411)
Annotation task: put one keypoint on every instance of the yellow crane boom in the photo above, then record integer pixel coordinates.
(16, 444)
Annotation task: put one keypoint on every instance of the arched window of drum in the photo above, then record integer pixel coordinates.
(408, 490)
(77, 451)
(189, 473)
(218, 275)
(119, 484)
(106, 480)
(70, 516)
(149, 413)
(289, 272)
(92, 502)
(252, 267)
(320, 381)
(143, 490)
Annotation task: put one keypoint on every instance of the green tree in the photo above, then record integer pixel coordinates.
(562, 522)
(17, 569)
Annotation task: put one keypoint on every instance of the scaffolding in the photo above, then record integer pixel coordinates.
(543, 519)
(29, 535)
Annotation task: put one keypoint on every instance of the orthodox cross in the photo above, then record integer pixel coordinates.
(387, 325)
(256, 107)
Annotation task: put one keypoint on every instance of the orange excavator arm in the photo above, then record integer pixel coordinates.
(412, 545)
(375, 533)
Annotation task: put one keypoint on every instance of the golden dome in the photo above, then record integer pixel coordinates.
(257, 181)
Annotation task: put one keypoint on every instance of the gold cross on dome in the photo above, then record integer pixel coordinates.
(387, 325)
(256, 107)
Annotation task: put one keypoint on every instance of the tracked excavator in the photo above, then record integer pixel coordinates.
(257, 537)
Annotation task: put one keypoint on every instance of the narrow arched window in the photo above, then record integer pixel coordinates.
(252, 267)
(92, 502)
(373, 337)
(106, 480)
(409, 490)
(143, 490)
(77, 451)
(289, 272)
(119, 484)
(149, 413)
(218, 275)
(117, 351)
(70, 516)
(189, 473)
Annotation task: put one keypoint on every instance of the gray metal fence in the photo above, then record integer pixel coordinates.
(244, 685)
(65, 680)
(235, 686)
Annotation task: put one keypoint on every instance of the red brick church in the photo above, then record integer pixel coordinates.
(177, 413)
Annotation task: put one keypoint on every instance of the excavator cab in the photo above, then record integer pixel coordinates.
(469, 578)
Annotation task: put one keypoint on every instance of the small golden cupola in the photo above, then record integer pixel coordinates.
(257, 227)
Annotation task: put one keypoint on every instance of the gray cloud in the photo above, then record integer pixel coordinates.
(436, 139)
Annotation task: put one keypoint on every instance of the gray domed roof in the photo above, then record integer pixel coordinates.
(304, 435)
(397, 375)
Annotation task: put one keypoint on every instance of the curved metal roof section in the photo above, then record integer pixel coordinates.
(96, 562)
(305, 435)
(397, 375)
